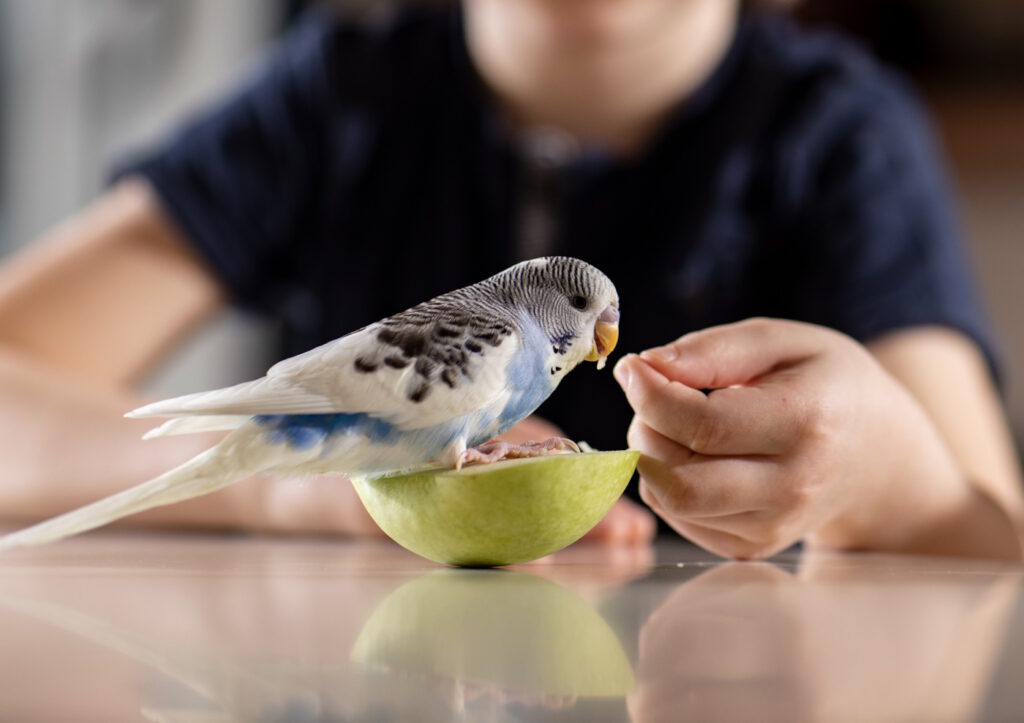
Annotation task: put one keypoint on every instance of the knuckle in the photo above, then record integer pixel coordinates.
(641, 398)
(819, 422)
(759, 327)
(636, 435)
(706, 434)
(645, 493)
(757, 323)
(677, 497)
(665, 488)
(795, 497)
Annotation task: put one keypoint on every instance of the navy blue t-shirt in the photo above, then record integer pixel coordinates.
(365, 169)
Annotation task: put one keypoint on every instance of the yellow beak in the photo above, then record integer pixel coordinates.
(606, 335)
(605, 338)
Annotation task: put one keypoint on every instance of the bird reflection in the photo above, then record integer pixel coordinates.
(839, 638)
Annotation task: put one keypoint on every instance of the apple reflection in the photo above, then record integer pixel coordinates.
(493, 638)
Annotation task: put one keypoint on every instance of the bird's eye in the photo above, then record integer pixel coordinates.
(579, 302)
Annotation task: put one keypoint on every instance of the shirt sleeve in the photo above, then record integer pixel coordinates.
(241, 180)
(879, 242)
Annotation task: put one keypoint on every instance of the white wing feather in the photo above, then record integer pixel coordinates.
(324, 380)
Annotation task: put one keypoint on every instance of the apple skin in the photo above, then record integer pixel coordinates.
(505, 631)
(497, 514)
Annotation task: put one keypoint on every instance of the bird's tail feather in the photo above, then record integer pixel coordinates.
(191, 479)
(193, 425)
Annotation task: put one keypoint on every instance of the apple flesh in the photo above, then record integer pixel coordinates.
(501, 513)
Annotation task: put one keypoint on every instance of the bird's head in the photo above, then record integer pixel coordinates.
(575, 305)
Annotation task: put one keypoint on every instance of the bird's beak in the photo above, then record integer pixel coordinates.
(606, 335)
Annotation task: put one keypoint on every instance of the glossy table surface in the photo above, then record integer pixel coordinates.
(123, 627)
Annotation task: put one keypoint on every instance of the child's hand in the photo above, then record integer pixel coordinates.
(804, 433)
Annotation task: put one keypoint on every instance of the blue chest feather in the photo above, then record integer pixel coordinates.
(529, 379)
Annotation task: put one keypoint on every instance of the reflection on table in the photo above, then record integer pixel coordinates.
(119, 627)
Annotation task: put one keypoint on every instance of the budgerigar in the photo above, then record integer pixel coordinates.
(427, 384)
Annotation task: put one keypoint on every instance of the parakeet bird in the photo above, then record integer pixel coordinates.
(428, 384)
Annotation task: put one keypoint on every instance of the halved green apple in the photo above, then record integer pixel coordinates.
(501, 513)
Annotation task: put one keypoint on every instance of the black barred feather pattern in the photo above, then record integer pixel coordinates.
(440, 337)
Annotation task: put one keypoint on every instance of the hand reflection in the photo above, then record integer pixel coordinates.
(750, 641)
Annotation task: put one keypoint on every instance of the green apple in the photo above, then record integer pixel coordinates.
(499, 631)
(501, 513)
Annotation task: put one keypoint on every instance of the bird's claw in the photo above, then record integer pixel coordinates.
(495, 451)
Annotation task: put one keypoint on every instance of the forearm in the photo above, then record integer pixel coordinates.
(924, 501)
(106, 294)
(66, 443)
(977, 527)
(84, 311)
(954, 460)
(972, 526)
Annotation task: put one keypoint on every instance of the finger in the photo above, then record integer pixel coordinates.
(531, 429)
(695, 486)
(626, 523)
(728, 536)
(741, 497)
(736, 421)
(723, 544)
(732, 544)
(722, 356)
(321, 504)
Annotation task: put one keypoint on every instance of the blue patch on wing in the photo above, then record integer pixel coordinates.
(302, 431)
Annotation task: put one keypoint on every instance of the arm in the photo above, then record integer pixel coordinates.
(947, 376)
(84, 313)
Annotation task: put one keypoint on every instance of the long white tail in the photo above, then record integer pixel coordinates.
(192, 479)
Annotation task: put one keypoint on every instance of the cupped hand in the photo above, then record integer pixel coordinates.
(802, 435)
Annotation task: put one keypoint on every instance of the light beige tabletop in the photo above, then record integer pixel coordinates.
(124, 627)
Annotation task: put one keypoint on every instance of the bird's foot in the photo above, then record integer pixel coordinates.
(495, 451)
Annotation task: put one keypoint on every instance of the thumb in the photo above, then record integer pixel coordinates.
(739, 353)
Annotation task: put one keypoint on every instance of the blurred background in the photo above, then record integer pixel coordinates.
(85, 80)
